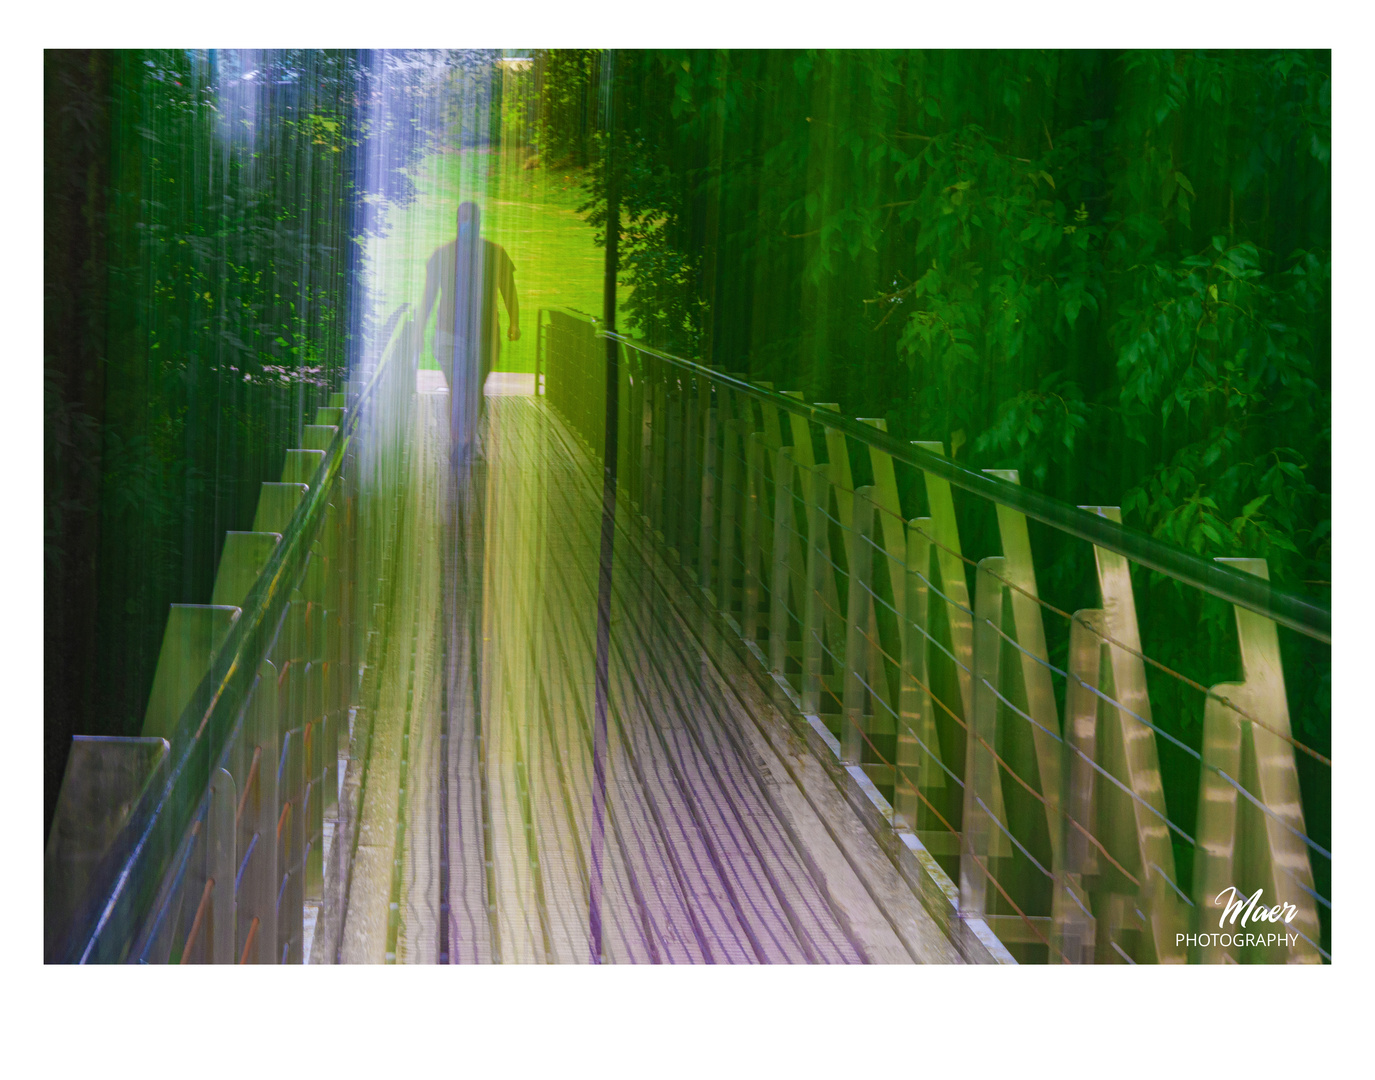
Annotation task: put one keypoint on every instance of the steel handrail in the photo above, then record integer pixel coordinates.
(1296, 611)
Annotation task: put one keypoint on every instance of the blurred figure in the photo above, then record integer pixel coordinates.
(464, 277)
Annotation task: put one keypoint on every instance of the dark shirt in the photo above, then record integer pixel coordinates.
(486, 271)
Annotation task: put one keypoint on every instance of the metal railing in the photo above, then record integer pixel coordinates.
(1048, 800)
(222, 849)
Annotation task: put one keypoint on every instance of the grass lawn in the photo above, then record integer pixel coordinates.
(532, 213)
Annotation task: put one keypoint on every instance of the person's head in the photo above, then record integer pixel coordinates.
(469, 218)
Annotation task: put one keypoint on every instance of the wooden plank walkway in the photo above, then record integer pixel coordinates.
(715, 848)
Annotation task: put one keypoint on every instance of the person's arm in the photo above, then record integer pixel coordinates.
(506, 282)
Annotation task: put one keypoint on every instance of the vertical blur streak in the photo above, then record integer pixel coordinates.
(77, 155)
(464, 362)
(199, 210)
(613, 226)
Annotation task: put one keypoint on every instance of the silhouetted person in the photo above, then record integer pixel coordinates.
(464, 277)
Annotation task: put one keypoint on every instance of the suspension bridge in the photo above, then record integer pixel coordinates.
(680, 668)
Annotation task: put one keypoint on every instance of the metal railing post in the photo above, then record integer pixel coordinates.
(1029, 633)
(313, 747)
(640, 434)
(755, 535)
(673, 474)
(220, 852)
(692, 468)
(818, 565)
(658, 408)
(261, 894)
(857, 620)
(705, 548)
(1248, 845)
(291, 821)
(784, 525)
(980, 770)
(915, 729)
(729, 500)
(1074, 927)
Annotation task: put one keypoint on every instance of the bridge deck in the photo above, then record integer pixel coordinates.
(722, 840)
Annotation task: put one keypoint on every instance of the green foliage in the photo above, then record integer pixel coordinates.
(202, 217)
(1216, 355)
(228, 212)
(566, 112)
(1111, 270)
(663, 306)
(1050, 418)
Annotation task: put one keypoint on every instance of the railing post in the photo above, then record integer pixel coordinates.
(916, 741)
(658, 409)
(1074, 927)
(1030, 634)
(220, 851)
(673, 475)
(1240, 845)
(333, 651)
(259, 890)
(945, 537)
(837, 470)
(539, 348)
(641, 432)
(729, 499)
(784, 525)
(980, 771)
(838, 465)
(857, 646)
(193, 635)
(705, 548)
(313, 746)
(692, 461)
(291, 821)
(754, 534)
(771, 442)
(890, 528)
(1115, 734)
(818, 560)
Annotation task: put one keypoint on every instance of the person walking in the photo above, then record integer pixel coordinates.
(464, 278)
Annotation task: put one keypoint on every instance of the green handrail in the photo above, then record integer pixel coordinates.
(1302, 613)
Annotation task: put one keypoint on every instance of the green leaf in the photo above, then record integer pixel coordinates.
(1183, 182)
